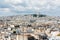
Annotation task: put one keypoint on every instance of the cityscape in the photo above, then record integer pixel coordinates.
(29, 19)
(30, 27)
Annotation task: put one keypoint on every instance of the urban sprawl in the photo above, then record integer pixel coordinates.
(30, 27)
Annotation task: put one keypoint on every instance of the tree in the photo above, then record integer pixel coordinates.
(34, 15)
(42, 15)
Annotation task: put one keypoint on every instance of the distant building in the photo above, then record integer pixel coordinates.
(55, 38)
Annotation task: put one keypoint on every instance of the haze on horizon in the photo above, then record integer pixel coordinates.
(17, 7)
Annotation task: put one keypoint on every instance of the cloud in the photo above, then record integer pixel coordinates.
(5, 9)
(29, 6)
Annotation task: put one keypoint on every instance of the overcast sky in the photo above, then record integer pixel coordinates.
(14, 7)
